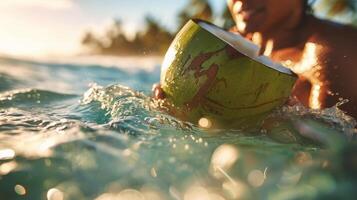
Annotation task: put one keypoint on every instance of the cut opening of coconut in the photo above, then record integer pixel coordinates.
(244, 46)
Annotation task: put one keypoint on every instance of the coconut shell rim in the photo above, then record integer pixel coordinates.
(197, 21)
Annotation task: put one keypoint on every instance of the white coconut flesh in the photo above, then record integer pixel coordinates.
(244, 46)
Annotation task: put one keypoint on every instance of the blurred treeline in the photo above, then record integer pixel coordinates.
(342, 11)
(154, 38)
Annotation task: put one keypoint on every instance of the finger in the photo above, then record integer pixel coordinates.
(234, 29)
(234, 6)
(158, 92)
(230, 4)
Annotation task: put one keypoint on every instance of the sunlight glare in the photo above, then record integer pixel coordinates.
(223, 158)
(7, 167)
(168, 59)
(123, 195)
(6, 154)
(256, 178)
(201, 193)
(131, 194)
(55, 194)
(55, 5)
(237, 7)
(309, 59)
(205, 123)
(257, 38)
(151, 193)
(241, 25)
(269, 48)
(196, 192)
(314, 97)
(308, 67)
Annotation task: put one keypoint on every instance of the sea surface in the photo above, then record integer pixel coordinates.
(86, 128)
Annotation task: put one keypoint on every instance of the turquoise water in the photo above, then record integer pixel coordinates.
(79, 131)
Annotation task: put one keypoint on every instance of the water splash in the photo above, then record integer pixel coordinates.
(115, 142)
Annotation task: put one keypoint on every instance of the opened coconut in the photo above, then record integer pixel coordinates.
(211, 74)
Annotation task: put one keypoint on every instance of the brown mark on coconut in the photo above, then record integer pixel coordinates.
(210, 73)
(261, 89)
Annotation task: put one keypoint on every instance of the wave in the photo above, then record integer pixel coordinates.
(8, 82)
(125, 107)
(115, 137)
(73, 77)
(127, 63)
(31, 97)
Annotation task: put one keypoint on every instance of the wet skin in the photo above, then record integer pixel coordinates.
(335, 46)
(285, 23)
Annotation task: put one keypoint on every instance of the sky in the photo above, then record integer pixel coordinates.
(55, 27)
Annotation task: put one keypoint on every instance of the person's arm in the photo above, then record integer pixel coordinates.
(339, 59)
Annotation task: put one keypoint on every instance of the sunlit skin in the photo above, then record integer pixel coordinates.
(304, 43)
(296, 36)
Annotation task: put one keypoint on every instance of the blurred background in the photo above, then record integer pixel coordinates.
(38, 28)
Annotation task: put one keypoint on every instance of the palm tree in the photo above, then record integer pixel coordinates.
(90, 41)
(155, 38)
(199, 9)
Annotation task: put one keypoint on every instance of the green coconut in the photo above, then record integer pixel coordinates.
(211, 74)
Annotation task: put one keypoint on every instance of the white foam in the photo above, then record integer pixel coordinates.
(244, 46)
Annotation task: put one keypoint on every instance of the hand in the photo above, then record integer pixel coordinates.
(234, 8)
(157, 91)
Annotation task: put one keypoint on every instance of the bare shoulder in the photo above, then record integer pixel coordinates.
(334, 34)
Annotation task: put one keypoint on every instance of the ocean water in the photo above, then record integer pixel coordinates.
(71, 129)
